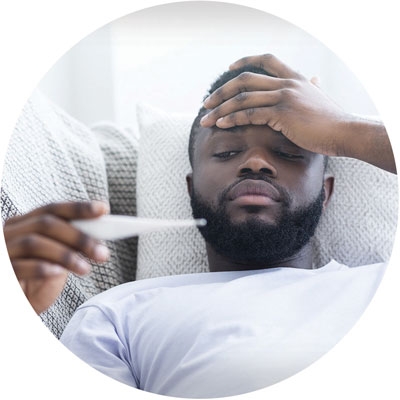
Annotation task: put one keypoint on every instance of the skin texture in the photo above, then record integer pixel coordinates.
(289, 103)
(43, 247)
(223, 158)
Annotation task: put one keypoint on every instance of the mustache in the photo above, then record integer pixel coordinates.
(286, 198)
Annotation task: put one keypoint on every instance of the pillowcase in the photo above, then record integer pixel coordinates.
(357, 228)
(162, 193)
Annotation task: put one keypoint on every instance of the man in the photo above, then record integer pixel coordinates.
(262, 313)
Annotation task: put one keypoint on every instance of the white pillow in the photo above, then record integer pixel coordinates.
(161, 193)
(357, 228)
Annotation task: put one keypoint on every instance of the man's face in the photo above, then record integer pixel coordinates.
(256, 188)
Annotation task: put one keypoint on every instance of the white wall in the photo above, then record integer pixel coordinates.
(82, 80)
(168, 56)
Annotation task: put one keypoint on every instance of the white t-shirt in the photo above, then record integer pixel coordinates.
(219, 333)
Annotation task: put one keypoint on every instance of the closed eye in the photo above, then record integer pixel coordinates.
(226, 154)
(289, 156)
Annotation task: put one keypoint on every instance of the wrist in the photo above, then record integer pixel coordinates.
(355, 135)
(366, 139)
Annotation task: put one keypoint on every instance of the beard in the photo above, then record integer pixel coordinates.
(255, 241)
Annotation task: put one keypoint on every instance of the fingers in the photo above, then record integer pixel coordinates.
(36, 269)
(59, 230)
(69, 210)
(35, 246)
(250, 116)
(246, 91)
(268, 63)
(245, 82)
(44, 244)
(242, 101)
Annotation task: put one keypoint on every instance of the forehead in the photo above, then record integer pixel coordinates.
(260, 135)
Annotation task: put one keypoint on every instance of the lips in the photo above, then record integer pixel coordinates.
(253, 189)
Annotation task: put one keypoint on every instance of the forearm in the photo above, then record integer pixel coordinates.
(367, 140)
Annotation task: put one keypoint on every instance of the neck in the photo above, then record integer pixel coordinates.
(218, 263)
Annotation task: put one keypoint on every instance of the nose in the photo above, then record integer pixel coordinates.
(257, 161)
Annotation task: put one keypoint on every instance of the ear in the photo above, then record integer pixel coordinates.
(329, 183)
(189, 183)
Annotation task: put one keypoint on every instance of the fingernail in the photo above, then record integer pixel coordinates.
(100, 207)
(54, 270)
(101, 253)
(220, 120)
(83, 266)
(204, 118)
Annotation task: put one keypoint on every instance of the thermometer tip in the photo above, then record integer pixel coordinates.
(201, 222)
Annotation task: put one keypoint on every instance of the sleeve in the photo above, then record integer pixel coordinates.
(92, 337)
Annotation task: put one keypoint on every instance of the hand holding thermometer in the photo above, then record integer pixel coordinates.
(113, 227)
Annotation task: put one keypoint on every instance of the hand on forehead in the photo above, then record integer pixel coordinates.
(286, 102)
(248, 81)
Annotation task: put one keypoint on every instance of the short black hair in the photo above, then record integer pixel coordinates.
(220, 81)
